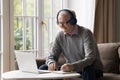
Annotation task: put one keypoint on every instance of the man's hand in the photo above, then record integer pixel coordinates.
(67, 67)
(53, 67)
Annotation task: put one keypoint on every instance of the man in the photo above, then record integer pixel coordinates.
(78, 46)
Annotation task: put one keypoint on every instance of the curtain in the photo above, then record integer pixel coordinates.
(104, 24)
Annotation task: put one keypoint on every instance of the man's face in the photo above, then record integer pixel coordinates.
(64, 21)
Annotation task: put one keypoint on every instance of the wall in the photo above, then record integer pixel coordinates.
(78, 10)
(84, 11)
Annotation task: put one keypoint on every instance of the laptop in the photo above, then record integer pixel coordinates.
(27, 63)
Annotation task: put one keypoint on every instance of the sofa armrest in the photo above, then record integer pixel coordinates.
(109, 57)
(119, 58)
(40, 61)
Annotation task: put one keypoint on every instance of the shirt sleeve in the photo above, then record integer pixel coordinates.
(90, 51)
(54, 52)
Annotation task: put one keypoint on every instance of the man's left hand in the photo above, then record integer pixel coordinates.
(67, 67)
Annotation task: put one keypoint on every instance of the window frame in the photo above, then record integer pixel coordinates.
(0, 21)
(7, 36)
(39, 44)
(0, 33)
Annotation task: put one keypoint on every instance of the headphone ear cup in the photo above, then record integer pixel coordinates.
(73, 21)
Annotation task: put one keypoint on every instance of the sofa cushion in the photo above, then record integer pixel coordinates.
(40, 61)
(109, 57)
(119, 58)
(110, 76)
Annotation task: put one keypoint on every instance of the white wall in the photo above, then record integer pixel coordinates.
(84, 10)
(79, 5)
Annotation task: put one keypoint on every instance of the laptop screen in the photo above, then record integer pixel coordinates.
(26, 62)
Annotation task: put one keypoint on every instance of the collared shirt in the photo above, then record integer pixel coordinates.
(74, 32)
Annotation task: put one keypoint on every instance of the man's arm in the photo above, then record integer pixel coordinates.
(55, 52)
(90, 50)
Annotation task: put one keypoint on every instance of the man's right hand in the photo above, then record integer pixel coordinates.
(53, 67)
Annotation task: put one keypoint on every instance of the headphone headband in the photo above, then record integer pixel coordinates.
(73, 19)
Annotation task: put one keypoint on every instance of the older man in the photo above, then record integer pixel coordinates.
(78, 45)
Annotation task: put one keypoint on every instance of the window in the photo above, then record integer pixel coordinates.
(50, 27)
(0, 35)
(0, 24)
(35, 25)
(25, 24)
(85, 13)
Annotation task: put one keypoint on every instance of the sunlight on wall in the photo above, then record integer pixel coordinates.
(85, 10)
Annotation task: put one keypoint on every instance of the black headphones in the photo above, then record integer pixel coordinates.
(73, 19)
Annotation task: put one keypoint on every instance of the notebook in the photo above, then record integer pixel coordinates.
(27, 63)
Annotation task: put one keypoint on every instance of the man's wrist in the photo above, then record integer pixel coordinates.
(50, 62)
(72, 67)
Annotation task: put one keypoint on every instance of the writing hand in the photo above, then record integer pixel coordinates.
(67, 67)
(53, 67)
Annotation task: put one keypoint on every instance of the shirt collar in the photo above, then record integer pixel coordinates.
(74, 32)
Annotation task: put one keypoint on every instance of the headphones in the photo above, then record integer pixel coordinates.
(72, 20)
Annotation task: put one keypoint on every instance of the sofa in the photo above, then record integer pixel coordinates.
(110, 57)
